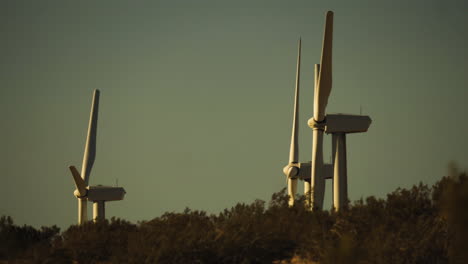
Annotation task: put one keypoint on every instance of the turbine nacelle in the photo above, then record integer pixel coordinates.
(342, 123)
(105, 193)
(95, 193)
(298, 171)
(102, 193)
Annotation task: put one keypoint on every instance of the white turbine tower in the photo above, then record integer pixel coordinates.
(97, 194)
(316, 172)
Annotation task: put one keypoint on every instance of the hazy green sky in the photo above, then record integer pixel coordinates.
(197, 96)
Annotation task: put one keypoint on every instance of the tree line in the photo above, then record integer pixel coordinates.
(423, 224)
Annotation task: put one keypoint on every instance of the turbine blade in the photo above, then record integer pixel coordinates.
(317, 180)
(292, 189)
(82, 211)
(79, 182)
(316, 76)
(294, 148)
(324, 82)
(90, 147)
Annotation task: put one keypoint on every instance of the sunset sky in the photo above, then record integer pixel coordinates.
(197, 98)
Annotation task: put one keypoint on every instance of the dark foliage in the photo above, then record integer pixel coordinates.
(25, 241)
(420, 225)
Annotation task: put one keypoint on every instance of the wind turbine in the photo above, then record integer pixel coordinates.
(337, 124)
(316, 172)
(97, 194)
(293, 169)
(302, 170)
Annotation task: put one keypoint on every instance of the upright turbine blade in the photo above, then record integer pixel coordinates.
(324, 82)
(294, 149)
(90, 147)
(82, 211)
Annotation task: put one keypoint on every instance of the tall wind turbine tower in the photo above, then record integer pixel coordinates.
(316, 172)
(97, 194)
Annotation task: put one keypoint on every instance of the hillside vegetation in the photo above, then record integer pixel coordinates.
(418, 225)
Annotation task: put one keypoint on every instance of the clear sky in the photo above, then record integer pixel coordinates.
(197, 98)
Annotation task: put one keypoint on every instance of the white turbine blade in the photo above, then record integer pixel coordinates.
(317, 179)
(325, 75)
(294, 149)
(316, 74)
(317, 183)
(82, 210)
(79, 182)
(292, 189)
(90, 147)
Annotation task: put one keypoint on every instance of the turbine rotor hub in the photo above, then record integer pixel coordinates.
(319, 125)
(77, 194)
(291, 170)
